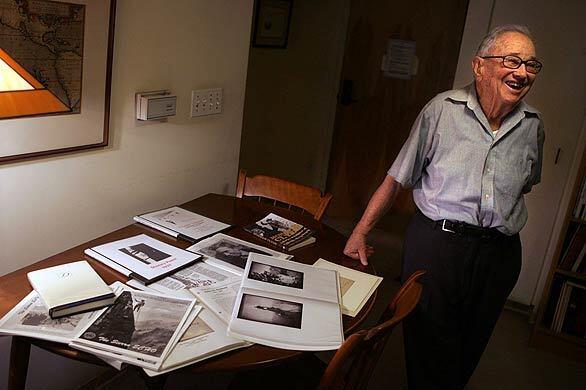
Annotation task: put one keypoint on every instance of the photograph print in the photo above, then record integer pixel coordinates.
(138, 322)
(270, 311)
(35, 315)
(144, 253)
(275, 275)
(231, 252)
(271, 226)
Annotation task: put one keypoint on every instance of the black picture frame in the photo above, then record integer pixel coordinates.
(272, 19)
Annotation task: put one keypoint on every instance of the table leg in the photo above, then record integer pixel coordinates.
(19, 355)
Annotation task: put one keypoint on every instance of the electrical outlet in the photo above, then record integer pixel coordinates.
(206, 102)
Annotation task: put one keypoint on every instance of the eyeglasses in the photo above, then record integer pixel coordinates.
(514, 62)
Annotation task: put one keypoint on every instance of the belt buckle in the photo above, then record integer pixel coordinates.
(445, 229)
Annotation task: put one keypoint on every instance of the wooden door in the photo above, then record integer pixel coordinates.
(374, 118)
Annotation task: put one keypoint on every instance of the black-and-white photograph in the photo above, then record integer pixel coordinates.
(270, 311)
(38, 317)
(145, 253)
(138, 322)
(275, 275)
(231, 252)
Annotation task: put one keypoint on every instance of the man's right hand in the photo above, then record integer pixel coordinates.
(357, 248)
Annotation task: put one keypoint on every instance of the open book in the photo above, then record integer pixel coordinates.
(181, 223)
(288, 305)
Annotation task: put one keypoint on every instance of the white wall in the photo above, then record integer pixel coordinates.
(49, 205)
(559, 93)
(291, 96)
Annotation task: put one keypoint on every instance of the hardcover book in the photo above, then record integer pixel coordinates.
(71, 288)
(281, 232)
(288, 305)
(142, 257)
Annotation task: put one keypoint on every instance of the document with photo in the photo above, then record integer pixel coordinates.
(181, 223)
(140, 328)
(197, 275)
(231, 253)
(144, 257)
(204, 338)
(288, 305)
(31, 318)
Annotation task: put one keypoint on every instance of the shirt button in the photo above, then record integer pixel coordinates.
(487, 196)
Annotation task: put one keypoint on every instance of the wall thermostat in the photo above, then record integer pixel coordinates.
(155, 105)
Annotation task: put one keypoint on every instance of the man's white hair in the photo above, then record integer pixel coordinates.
(492, 36)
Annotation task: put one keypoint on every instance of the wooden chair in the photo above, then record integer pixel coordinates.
(283, 193)
(352, 365)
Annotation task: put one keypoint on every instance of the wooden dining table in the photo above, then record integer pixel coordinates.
(234, 211)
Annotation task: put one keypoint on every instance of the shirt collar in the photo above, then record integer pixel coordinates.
(468, 95)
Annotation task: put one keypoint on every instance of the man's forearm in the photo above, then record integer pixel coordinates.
(380, 202)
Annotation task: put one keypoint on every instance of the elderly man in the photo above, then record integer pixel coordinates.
(471, 156)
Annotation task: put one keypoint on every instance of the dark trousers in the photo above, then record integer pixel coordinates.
(468, 281)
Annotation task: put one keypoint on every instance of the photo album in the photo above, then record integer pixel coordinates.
(288, 305)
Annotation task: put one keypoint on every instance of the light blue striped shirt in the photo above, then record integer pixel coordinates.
(460, 170)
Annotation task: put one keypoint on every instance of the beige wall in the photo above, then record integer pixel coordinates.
(49, 205)
(559, 93)
(291, 96)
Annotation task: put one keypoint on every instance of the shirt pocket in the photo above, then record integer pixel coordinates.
(512, 175)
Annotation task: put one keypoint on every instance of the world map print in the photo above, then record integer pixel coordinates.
(46, 39)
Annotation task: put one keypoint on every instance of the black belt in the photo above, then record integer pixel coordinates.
(461, 228)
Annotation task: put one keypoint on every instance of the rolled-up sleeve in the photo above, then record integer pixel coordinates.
(535, 176)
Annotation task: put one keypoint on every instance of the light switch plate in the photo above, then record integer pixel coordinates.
(206, 102)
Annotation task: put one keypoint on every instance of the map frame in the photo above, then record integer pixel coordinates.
(33, 137)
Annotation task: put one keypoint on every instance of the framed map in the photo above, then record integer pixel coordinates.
(55, 75)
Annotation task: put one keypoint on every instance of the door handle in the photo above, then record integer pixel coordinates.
(345, 97)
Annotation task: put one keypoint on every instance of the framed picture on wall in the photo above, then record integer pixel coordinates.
(55, 76)
(271, 23)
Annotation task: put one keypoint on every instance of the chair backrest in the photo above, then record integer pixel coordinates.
(283, 193)
(354, 362)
